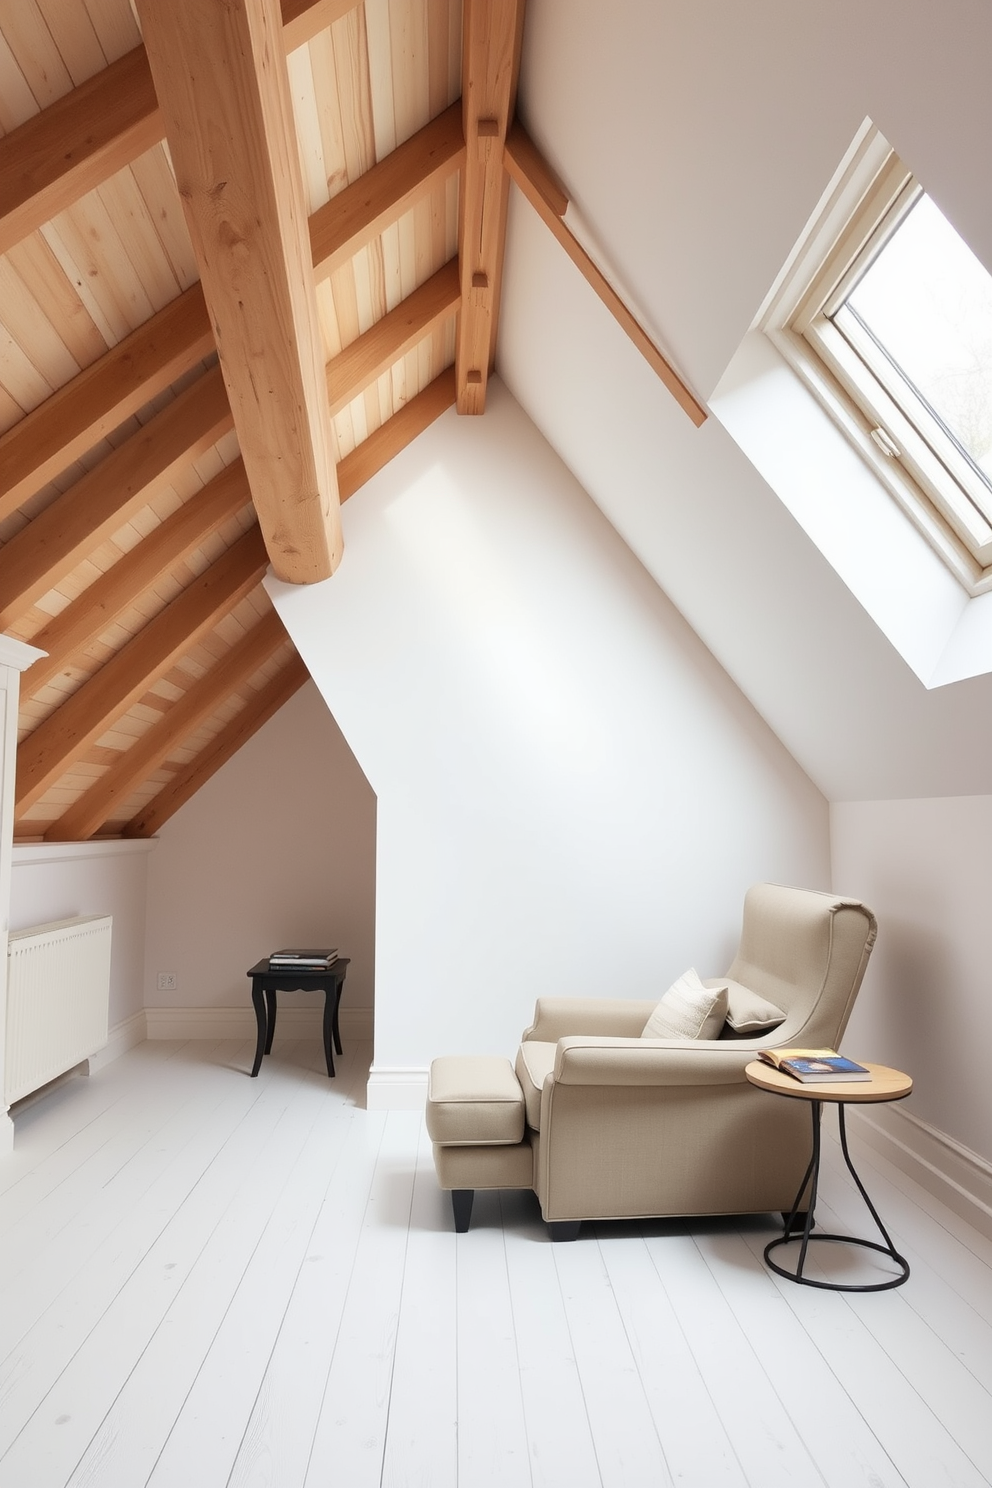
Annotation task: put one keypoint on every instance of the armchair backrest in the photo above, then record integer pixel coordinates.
(806, 952)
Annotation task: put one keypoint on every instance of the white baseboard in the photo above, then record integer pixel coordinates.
(954, 1174)
(239, 1023)
(123, 1036)
(392, 1088)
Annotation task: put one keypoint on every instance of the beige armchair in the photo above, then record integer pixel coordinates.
(620, 1126)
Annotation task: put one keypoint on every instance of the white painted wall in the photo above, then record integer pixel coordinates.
(278, 848)
(57, 881)
(572, 796)
(924, 868)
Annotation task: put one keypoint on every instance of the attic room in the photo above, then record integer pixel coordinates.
(532, 674)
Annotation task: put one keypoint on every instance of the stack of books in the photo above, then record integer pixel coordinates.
(291, 960)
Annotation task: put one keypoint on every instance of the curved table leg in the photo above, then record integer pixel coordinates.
(270, 1003)
(258, 1001)
(330, 1019)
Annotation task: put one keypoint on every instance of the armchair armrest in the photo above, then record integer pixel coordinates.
(556, 1017)
(588, 1060)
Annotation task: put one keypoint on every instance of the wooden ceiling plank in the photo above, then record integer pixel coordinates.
(143, 757)
(268, 700)
(302, 20)
(359, 213)
(43, 552)
(102, 396)
(220, 73)
(492, 32)
(67, 733)
(361, 363)
(527, 168)
(369, 457)
(87, 617)
(54, 158)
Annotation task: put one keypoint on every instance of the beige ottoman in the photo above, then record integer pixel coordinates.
(475, 1118)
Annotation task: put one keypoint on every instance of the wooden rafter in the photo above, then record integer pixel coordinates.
(531, 173)
(492, 33)
(220, 75)
(362, 210)
(358, 366)
(302, 20)
(68, 732)
(95, 806)
(42, 553)
(102, 396)
(87, 617)
(369, 457)
(268, 700)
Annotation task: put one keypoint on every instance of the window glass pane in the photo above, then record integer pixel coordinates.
(928, 302)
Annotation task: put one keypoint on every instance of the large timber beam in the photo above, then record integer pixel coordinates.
(43, 552)
(373, 353)
(102, 396)
(492, 33)
(525, 165)
(369, 457)
(187, 781)
(67, 733)
(220, 74)
(142, 758)
(85, 137)
(359, 213)
(115, 591)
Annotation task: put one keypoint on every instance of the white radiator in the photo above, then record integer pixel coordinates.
(58, 997)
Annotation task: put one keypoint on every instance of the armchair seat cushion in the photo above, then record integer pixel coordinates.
(535, 1061)
(474, 1100)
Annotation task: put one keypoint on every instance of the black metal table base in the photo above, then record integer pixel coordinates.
(811, 1179)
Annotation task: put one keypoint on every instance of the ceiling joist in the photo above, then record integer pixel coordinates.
(187, 781)
(369, 457)
(530, 172)
(41, 554)
(220, 75)
(68, 732)
(86, 618)
(492, 34)
(145, 755)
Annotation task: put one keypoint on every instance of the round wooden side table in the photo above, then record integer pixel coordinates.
(885, 1085)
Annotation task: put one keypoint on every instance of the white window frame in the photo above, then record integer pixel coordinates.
(904, 444)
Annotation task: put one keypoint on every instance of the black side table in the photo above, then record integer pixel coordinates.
(265, 983)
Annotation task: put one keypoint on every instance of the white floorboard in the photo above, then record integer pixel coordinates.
(237, 1283)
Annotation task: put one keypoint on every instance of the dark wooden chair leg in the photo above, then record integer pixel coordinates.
(461, 1207)
(564, 1229)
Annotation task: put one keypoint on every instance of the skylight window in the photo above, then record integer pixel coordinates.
(887, 314)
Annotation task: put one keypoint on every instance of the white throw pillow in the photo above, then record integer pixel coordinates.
(689, 1010)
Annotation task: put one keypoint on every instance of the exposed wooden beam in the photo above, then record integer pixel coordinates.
(358, 366)
(188, 781)
(221, 78)
(97, 607)
(528, 169)
(68, 732)
(359, 213)
(54, 158)
(85, 137)
(143, 757)
(44, 551)
(369, 457)
(102, 396)
(492, 33)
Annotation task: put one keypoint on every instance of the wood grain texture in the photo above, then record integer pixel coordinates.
(44, 755)
(526, 167)
(111, 594)
(302, 20)
(361, 363)
(38, 556)
(369, 457)
(492, 38)
(361, 211)
(102, 396)
(220, 74)
(87, 815)
(267, 701)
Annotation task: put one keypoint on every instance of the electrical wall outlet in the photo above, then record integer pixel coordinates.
(167, 981)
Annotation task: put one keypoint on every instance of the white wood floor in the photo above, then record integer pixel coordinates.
(210, 1280)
